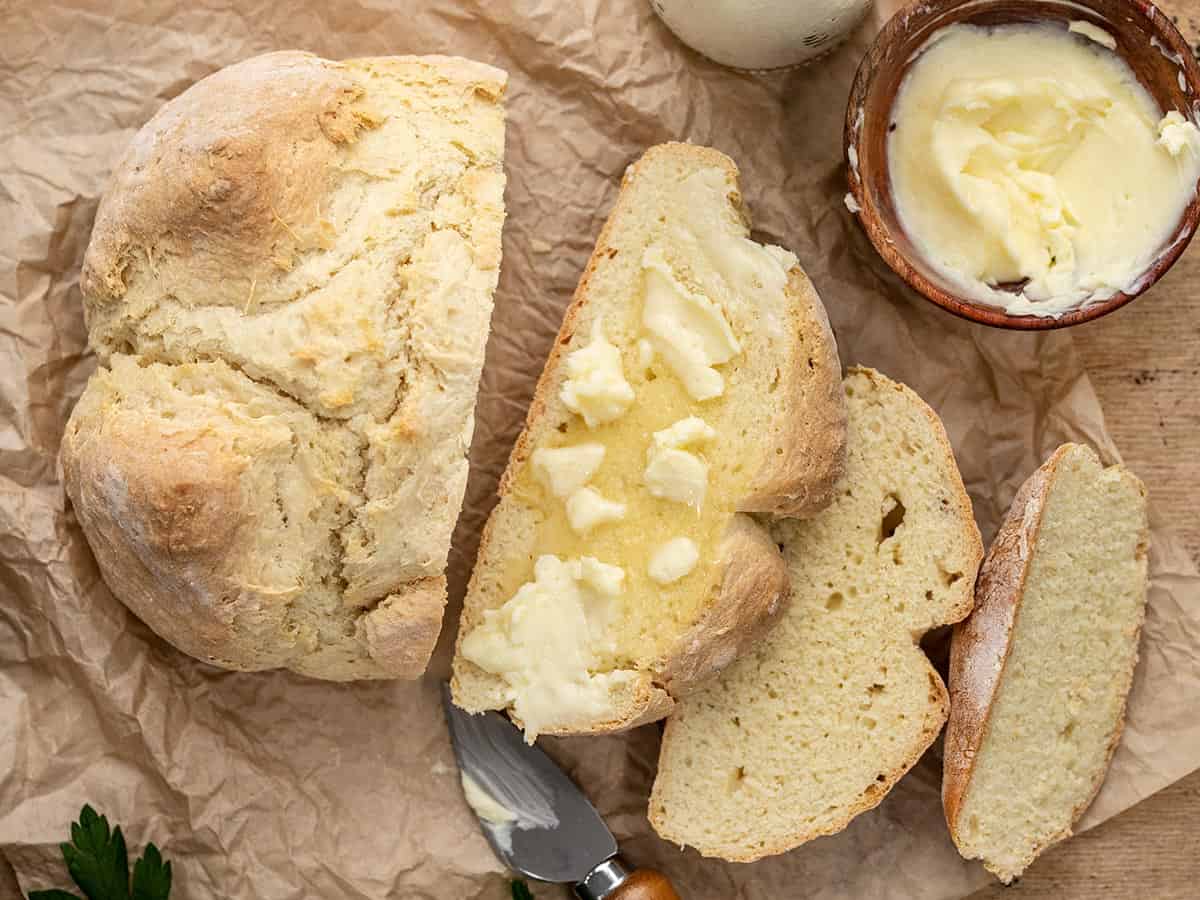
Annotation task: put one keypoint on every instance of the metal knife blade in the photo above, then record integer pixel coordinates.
(554, 833)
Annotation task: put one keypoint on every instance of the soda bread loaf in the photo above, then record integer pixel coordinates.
(694, 379)
(289, 288)
(1040, 671)
(818, 722)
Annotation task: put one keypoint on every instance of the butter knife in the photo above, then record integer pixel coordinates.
(534, 817)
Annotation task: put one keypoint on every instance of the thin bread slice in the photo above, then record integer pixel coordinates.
(1040, 671)
(838, 702)
(595, 632)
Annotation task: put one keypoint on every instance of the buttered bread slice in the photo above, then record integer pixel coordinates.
(694, 379)
(817, 723)
(1040, 671)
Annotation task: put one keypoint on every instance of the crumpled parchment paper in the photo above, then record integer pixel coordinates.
(272, 786)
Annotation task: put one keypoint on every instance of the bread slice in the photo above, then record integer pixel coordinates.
(820, 721)
(289, 290)
(1040, 671)
(724, 352)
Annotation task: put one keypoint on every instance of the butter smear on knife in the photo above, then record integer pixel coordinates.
(533, 810)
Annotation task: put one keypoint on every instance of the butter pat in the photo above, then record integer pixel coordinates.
(586, 509)
(1093, 33)
(547, 641)
(688, 329)
(564, 470)
(1177, 136)
(595, 387)
(673, 473)
(673, 560)
(1032, 170)
(753, 270)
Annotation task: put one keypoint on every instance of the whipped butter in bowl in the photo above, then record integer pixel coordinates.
(1022, 165)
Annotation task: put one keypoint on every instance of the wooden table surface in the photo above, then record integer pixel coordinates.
(1144, 361)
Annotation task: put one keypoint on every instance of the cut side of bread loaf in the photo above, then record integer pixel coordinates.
(1040, 672)
(818, 722)
(694, 379)
(289, 289)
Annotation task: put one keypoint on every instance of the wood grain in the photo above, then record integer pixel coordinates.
(1144, 361)
(1145, 364)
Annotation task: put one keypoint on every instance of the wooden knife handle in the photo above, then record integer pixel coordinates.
(644, 884)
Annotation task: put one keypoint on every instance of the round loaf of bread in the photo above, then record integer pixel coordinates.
(289, 289)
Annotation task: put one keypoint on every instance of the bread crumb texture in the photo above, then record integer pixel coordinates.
(733, 404)
(1041, 671)
(838, 701)
(289, 289)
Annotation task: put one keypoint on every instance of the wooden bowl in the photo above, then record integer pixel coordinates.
(1134, 23)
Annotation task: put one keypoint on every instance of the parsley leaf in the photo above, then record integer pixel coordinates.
(151, 876)
(96, 858)
(520, 891)
(98, 862)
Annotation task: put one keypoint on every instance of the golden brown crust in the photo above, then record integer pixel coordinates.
(753, 595)
(184, 507)
(800, 482)
(194, 191)
(981, 643)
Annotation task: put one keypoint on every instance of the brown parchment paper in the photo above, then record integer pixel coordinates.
(274, 786)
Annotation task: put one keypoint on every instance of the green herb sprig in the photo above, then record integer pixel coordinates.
(98, 862)
(520, 891)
